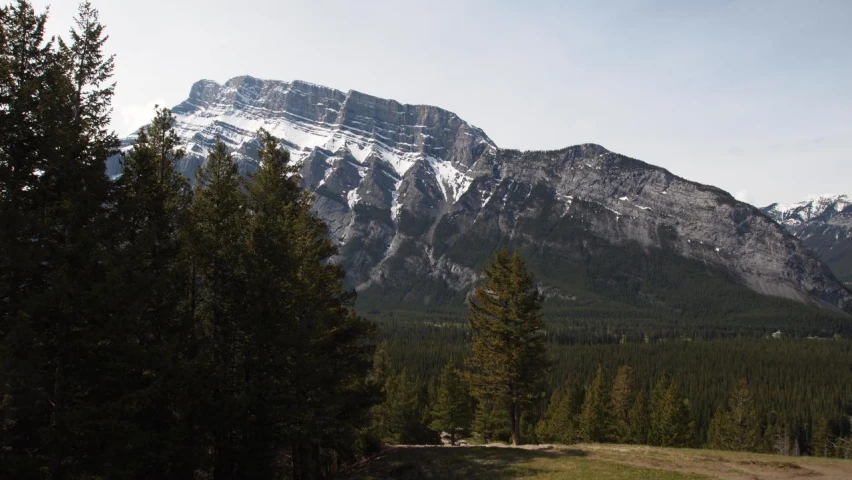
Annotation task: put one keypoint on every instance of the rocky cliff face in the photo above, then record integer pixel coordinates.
(417, 198)
(823, 224)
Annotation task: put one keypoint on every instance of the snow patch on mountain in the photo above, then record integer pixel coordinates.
(453, 182)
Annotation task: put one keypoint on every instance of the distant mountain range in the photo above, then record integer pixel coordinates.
(418, 199)
(823, 224)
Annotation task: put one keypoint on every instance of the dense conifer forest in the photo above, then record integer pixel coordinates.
(797, 384)
(153, 326)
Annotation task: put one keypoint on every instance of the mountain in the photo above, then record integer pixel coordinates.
(417, 199)
(823, 224)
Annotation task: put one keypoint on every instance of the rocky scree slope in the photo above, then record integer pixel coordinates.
(823, 224)
(417, 198)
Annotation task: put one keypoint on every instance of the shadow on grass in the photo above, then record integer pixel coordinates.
(427, 463)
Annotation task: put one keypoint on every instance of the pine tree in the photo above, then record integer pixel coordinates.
(670, 424)
(594, 425)
(736, 426)
(381, 366)
(490, 423)
(508, 362)
(54, 131)
(452, 413)
(146, 285)
(822, 444)
(639, 421)
(308, 355)
(622, 399)
(559, 422)
(398, 419)
(25, 333)
(217, 240)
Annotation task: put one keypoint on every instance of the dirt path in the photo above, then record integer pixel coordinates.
(723, 465)
(711, 463)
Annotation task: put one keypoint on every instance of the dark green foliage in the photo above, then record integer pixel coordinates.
(146, 327)
(399, 419)
(670, 424)
(823, 442)
(560, 421)
(639, 421)
(400, 416)
(146, 331)
(451, 411)
(736, 426)
(286, 370)
(595, 416)
(218, 305)
(622, 400)
(508, 363)
(490, 422)
(54, 111)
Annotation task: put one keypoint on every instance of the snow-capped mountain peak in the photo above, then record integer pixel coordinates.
(414, 195)
(313, 121)
(811, 209)
(824, 224)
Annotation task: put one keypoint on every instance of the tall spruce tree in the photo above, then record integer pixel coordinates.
(24, 405)
(594, 425)
(452, 413)
(146, 285)
(560, 420)
(508, 362)
(398, 419)
(670, 424)
(54, 130)
(639, 421)
(621, 400)
(308, 357)
(823, 439)
(273, 339)
(736, 426)
(217, 242)
(490, 422)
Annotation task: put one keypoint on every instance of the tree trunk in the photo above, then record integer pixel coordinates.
(223, 464)
(316, 474)
(452, 437)
(294, 458)
(306, 462)
(516, 424)
(57, 426)
(222, 468)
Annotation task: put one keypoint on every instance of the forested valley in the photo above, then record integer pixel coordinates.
(153, 326)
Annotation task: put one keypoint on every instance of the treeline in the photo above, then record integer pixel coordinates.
(622, 412)
(616, 410)
(801, 384)
(150, 328)
(588, 322)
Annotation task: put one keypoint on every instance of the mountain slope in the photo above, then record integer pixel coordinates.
(823, 224)
(417, 199)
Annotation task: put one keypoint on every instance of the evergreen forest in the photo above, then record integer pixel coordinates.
(154, 326)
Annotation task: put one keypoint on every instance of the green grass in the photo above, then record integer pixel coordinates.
(415, 463)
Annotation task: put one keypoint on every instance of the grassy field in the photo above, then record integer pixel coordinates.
(606, 462)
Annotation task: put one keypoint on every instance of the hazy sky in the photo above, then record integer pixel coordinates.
(752, 96)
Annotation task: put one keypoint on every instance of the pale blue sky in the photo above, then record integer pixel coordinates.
(752, 96)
